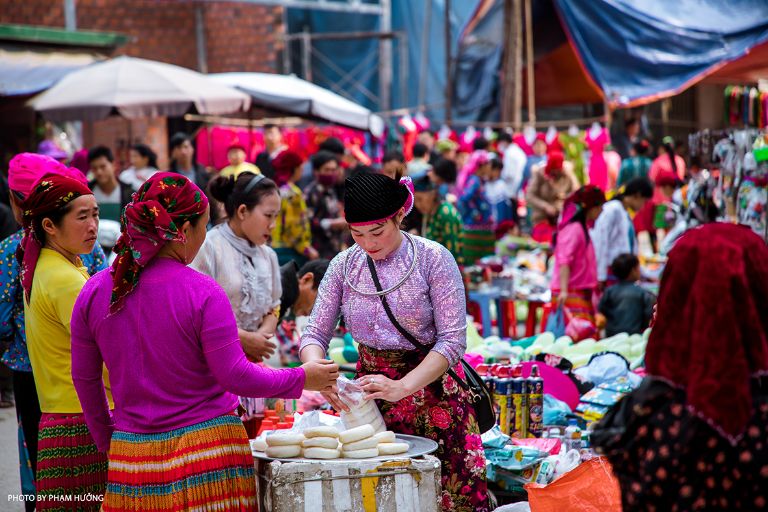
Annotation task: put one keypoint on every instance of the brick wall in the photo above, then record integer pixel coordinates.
(239, 36)
(242, 37)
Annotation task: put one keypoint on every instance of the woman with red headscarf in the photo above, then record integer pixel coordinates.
(169, 338)
(693, 436)
(551, 183)
(24, 170)
(61, 221)
(574, 277)
(292, 236)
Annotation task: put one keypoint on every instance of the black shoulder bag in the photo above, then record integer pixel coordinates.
(479, 396)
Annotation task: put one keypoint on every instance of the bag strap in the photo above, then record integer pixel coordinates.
(424, 349)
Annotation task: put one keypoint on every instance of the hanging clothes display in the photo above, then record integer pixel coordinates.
(596, 139)
(573, 147)
(745, 106)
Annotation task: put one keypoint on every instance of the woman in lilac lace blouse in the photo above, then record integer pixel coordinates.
(424, 289)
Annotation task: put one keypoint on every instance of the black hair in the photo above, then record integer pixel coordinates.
(446, 170)
(480, 143)
(623, 265)
(630, 121)
(333, 145)
(177, 140)
(420, 150)
(669, 146)
(100, 151)
(496, 162)
(503, 137)
(321, 158)
(269, 126)
(317, 268)
(393, 156)
(233, 192)
(147, 153)
(641, 147)
(640, 185)
(56, 217)
(424, 184)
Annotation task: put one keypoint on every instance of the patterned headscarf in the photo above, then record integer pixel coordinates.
(152, 219)
(50, 194)
(711, 331)
(26, 169)
(478, 158)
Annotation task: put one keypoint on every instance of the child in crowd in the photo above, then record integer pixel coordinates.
(664, 215)
(626, 306)
(496, 192)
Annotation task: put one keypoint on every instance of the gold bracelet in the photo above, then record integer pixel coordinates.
(275, 311)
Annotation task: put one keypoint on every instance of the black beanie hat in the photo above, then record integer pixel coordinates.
(371, 197)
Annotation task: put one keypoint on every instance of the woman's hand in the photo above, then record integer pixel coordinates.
(320, 375)
(562, 298)
(379, 387)
(332, 395)
(256, 345)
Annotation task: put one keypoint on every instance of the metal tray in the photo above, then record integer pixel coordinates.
(418, 446)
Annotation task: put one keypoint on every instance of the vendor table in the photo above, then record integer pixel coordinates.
(345, 485)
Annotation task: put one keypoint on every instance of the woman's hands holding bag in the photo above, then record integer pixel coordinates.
(379, 387)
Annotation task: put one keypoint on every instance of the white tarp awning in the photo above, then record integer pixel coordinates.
(27, 71)
(293, 95)
(136, 88)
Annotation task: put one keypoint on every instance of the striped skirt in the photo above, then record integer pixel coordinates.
(207, 466)
(479, 241)
(71, 471)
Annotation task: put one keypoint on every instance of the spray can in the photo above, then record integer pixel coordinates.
(486, 374)
(535, 403)
(502, 395)
(519, 415)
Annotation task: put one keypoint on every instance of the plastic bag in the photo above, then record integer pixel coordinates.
(556, 323)
(361, 411)
(591, 487)
(555, 411)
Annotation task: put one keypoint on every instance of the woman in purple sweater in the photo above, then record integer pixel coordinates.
(169, 339)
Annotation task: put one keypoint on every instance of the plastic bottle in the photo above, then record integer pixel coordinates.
(519, 416)
(535, 403)
(573, 435)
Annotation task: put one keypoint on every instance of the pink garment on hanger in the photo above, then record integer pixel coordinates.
(598, 169)
(519, 139)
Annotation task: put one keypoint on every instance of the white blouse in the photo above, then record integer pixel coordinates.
(230, 268)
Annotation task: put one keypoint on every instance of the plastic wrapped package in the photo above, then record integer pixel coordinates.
(361, 411)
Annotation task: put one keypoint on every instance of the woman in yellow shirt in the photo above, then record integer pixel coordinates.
(61, 220)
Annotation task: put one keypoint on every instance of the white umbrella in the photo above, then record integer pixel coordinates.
(296, 96)
(136, 88)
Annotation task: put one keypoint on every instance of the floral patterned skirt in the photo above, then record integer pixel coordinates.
(441, 412)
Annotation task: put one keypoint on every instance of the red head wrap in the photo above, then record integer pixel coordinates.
(711, 331)
(153, 218)
(284, 164)
(50, 194)
(555, 161)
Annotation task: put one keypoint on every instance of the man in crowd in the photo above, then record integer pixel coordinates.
(111, 194)
(324, 207)
(183, 160)
(237, 164)
(273, 146)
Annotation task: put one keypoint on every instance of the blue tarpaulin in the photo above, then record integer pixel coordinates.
(637, 50)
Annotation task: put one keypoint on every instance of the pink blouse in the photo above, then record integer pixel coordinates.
(574, 249)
